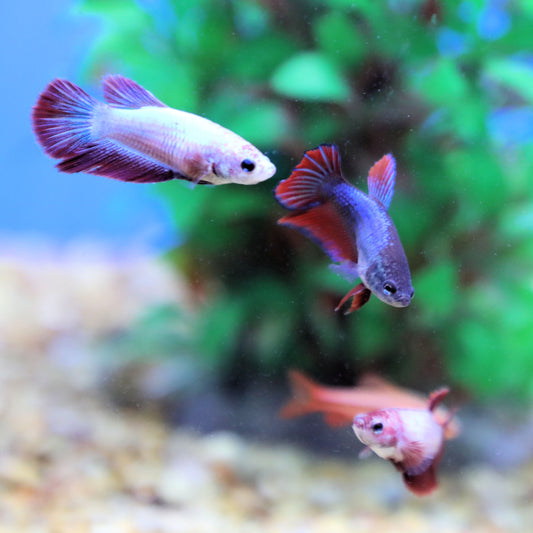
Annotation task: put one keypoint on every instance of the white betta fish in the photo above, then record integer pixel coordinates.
(135, 137)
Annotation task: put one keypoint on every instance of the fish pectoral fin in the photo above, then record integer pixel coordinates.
(381, 179)
(415, 462)
(123, 92)
(360, 295)
(365, 453)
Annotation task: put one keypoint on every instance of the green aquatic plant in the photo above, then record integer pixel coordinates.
(437, 84)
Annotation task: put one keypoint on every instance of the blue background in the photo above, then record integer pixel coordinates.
(41, 41)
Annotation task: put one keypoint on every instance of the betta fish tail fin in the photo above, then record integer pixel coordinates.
(304, 392)
(62, 119)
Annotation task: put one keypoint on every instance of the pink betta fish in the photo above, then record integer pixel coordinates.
(353, 228)
(135, 137)
(411, 439)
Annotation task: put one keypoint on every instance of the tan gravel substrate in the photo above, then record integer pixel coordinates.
(71, 463)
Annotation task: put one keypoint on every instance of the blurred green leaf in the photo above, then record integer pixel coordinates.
(337, 35)
(311, 76)
(514, 74)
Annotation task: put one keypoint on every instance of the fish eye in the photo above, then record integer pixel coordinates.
(377, 428)
(389, 288)
(247, 165)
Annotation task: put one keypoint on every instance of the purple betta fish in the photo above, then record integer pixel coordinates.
(353, 228)
(136, 137)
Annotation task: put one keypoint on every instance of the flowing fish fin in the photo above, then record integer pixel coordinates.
(303, 395)
(449, 422)
(436, 397)
(381, 180)
(422, 484)
(324, 225)
(360, 295)
(62, 118)
(106, 158)
(305, 187)
(123, 92)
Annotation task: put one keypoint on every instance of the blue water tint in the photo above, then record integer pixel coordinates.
(494, 22)
(451, 43)
(37, 200)
(511, 125)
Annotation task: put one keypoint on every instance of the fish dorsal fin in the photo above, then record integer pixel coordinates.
(381, 179)
(436, 397)
(123, 92)
(304, 188)
(324, 225)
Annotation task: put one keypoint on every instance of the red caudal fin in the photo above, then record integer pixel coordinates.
(323, 225)
(305, 187)
(123, 92)
(360, 295)
(62, 118)
(381, 180)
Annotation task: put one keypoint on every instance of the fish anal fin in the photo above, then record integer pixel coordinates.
(323, 225)
(123, 92)
(359, 294)
(306, 185)
(113, 161)
(381, 179)
(422, 484)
